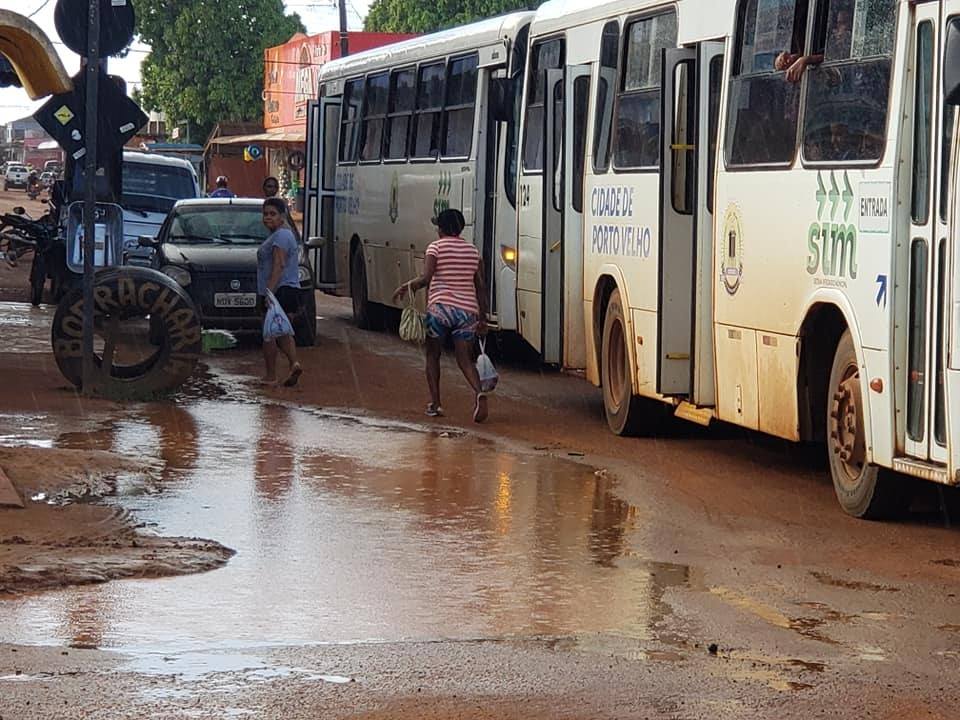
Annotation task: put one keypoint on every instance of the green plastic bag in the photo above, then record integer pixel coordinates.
(411, 322)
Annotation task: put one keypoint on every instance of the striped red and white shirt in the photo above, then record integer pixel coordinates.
(452, 282)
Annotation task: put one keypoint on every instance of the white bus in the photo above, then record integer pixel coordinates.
(772, 248)
(401, 132)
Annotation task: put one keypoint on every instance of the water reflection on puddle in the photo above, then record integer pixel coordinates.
(350, 530)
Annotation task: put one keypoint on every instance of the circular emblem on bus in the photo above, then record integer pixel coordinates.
(234, 284)
(731, 261)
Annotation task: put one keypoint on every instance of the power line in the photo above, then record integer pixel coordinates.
(45, 3)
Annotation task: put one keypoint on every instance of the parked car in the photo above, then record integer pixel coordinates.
(47, 179)
(16, 177)
(151, 186)
(209, 247)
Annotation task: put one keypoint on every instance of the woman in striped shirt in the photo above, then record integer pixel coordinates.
(456, 306)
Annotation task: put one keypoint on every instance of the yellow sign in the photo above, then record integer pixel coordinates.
(64, 115)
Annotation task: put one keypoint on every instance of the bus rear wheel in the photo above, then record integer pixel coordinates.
(863, 489)
(623, 410)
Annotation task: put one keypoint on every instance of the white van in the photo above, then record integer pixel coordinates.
(151, 186)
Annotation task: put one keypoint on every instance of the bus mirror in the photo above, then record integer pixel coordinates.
(501, 99)
(951, 65)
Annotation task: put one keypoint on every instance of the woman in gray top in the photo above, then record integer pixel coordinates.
(277, 271)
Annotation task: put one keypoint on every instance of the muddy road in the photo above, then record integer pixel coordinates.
(391, 566)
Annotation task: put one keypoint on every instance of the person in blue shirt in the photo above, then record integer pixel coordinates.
(278, 271)
(222, 190)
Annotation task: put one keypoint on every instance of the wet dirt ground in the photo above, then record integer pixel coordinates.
(390, 566)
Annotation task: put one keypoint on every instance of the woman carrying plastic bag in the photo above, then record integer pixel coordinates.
(456, 307)
(278, 282)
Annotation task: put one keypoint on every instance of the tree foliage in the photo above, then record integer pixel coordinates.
(424, 16)
(206, 59)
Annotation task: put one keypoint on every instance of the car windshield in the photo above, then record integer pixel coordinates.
(155, 188)
(229, 224)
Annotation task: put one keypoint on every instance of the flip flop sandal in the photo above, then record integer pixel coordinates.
(295, 374)
(434, 410)
(480, 411)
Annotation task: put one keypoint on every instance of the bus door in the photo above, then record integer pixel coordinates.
(691, 82)
(323, 127)
(576, 110)
(554, 203)
(928, 255)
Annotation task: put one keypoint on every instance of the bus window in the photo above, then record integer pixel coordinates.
(845, 117)
(458, 111)
(946, 141)
(923, 120)
(374, 116)
(546, 55)
(609, 49)
(403, 98)
(426, 127)
(350, 119)
(519, 64)
(637, 114)
(763, 105)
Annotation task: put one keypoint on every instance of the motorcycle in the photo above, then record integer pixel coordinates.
(33, 190)
(24, 234)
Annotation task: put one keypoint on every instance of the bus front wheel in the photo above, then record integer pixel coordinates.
(863, 489)
(622, 409)
(365, 314)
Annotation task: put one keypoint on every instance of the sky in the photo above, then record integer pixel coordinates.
(14, 103)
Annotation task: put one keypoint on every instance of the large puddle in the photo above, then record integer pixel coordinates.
(351, 530)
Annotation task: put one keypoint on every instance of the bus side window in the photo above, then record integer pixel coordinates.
(763, 105)
(458, 110)
(546, 55)
(374, 116)
(350, 120)
(609, 48)
(403, 98)
(845, 116)
(637, 114)
(426, 124)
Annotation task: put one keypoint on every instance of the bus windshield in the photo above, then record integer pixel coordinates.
(155, 188)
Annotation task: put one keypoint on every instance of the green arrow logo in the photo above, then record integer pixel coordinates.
(821, 196)
(833, 195)
(847, 197)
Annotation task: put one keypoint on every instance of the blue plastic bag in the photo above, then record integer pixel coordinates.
(275, 322)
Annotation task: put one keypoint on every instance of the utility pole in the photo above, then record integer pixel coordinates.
(344, 44)
(92, 69)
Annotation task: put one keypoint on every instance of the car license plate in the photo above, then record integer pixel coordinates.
(234, 300)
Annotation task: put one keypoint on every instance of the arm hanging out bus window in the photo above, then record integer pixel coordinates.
(834, 44)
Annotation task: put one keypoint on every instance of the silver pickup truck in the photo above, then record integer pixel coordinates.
(16, 176)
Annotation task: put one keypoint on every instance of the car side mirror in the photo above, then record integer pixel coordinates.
(316, 242)
(18, 210)
(146, 241)
(951, 64)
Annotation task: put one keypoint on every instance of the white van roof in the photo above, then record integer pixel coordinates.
(154, 159)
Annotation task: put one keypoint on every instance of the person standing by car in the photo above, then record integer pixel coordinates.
(222, 190)
(278, 271)
(456, 306)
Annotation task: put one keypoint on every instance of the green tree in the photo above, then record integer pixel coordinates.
(424, 16)
(206, 59)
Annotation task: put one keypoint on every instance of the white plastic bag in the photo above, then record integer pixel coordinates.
(411, 322)
(485, 369)
(275, 322)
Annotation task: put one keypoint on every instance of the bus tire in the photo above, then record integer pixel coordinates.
(365, 313)
(623, 410)
(130, 294)
(863, 489)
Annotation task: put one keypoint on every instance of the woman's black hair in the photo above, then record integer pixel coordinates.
(276, 203)
(451, 223)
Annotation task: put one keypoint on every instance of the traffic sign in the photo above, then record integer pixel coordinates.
(63, 117)
(117, 22)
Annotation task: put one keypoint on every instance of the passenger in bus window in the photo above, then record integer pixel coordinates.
(456, 307)
(835, 46)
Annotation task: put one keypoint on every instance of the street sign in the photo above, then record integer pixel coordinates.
(117, 21)
(63, 117)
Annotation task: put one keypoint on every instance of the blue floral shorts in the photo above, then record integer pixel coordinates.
(443, 320)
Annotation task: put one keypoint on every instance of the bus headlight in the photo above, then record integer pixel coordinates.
(179, 275)
(509, 256)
